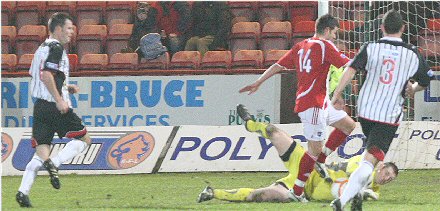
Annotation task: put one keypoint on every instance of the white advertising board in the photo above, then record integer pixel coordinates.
(232, 148)
(113, 150)
(151, 100)
(427, 102)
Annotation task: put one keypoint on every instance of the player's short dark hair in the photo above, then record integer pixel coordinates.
(392, 22)
(326, 21)
(393, 166)
(58, 19)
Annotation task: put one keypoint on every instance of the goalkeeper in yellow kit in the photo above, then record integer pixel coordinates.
(291, 152)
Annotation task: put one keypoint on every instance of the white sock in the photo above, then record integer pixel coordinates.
(72, 148)
(357, 181)
(29, 174)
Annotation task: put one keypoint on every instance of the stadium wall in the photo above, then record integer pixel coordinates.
(189, 148)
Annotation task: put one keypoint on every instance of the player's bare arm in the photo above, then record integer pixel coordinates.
(272, 70)
(337, 100)
(49, 81)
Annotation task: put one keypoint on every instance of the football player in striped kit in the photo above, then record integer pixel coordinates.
(391, 66)
(52, 109)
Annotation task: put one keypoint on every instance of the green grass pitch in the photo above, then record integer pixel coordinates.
(413, 190)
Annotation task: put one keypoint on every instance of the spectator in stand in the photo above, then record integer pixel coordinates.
(211, 26)
(144, 23)
(171, 19)
(174, 21)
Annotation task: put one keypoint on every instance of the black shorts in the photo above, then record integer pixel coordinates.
(378, 134)
(48, 120)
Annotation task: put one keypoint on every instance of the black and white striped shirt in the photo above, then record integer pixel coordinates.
(48, 59)
(389, 64)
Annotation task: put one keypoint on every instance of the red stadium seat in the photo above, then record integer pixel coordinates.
(429, 43)
(245, 9)
(24, 62)
(93, 62)
(8, 12)
(118, 37)
(29, 13)
(162, 62)
(302, 11)
(244, 36)
(119, 12)
(73, 62)
(8, 38)
(248, 59)
(272, 11)
(8, 62)
(217, 59)
(186, 60)
(59, 6)
(28, 39)
(91, 39)
(272, 56)
(276, 35)
(123, 61)
(89, 13)
(303, 30)
(433, 24)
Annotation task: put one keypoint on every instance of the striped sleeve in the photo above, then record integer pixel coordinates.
(360, 60)
(424, 73)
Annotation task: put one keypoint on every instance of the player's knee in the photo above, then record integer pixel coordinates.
(86, 138)
(270, 129)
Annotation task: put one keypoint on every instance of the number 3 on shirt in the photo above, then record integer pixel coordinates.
(304, 63)
(388, 76)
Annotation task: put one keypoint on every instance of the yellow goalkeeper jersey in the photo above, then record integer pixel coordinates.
(317, 188)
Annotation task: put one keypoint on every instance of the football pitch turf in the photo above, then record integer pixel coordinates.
(413, 190)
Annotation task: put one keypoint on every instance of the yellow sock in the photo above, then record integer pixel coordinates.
(258, 127)
(232, 195)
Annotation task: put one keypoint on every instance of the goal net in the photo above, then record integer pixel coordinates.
(418, 144)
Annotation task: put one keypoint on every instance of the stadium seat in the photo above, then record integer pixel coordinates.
(8, 38)
(429, 43)
(91, 39)
(217, 59)
(186, 60)
(73, 62)
(303, 30)
(29, 13)
(276, 35)
(28, 39)
(119, 12)
(89, 13)
(93, 62)
(118, 37)
(272, 11)
(433, 24)
(8, 13)
(8, 62)
(349, 25)
(245, 9)
(302, 11)
(123, 61)
(162, 62)
(244, 36)
(59, 6)
(248, 59)
(272, 56)
(24, 62)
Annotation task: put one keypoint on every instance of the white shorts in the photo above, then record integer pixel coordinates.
(316, 120)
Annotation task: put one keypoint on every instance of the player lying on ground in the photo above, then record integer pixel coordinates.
(316, 188)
